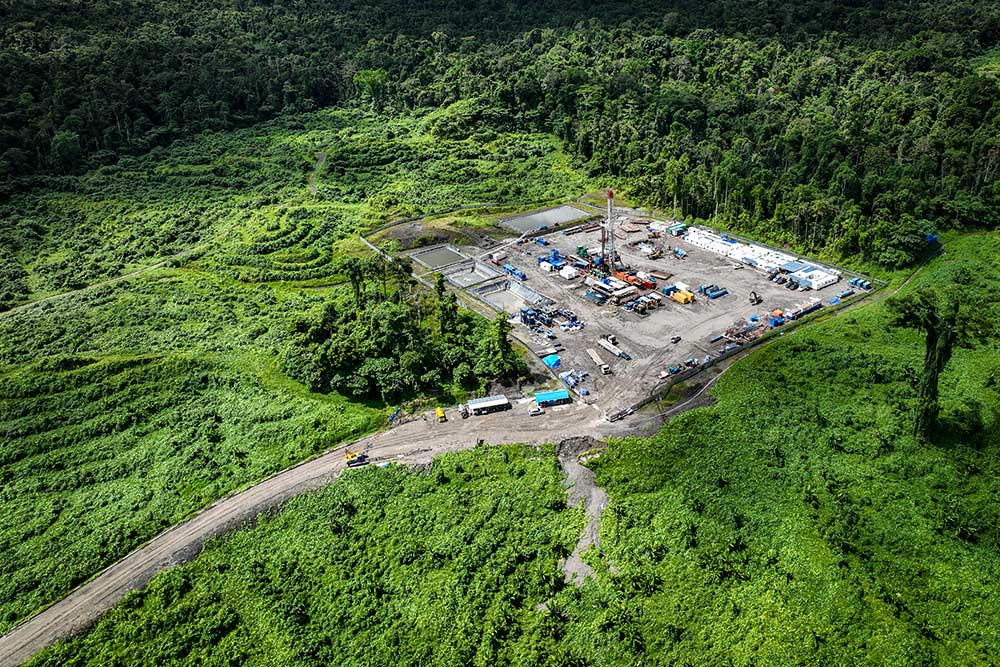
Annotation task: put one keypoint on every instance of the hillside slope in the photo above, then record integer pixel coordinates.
(796, 521)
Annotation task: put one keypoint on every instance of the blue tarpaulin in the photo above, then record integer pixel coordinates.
(546, 398)
(552, 361)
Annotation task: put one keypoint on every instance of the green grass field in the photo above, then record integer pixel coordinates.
(387, 566)
(795, 522)
(249, 189)
(126, 408)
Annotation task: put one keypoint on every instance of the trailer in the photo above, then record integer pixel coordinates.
(605, 368)
(484, 406)
(613, 349)
(545, 399)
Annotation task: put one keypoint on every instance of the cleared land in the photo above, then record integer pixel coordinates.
(802, 526)
(647, 338)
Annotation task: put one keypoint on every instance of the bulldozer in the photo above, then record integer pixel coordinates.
(355, 459)
(755, 299)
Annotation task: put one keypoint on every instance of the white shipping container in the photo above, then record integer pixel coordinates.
(569, 273)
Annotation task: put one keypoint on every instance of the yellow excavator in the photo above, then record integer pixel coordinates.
(355, 459)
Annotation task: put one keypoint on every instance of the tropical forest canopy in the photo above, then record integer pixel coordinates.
(245, 145)
(850, 127)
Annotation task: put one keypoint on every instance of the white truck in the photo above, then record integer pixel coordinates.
(605, 369)
(613, 349)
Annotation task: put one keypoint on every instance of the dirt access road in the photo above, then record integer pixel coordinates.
(415, 442)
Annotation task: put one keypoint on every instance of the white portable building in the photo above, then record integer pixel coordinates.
(569, 272)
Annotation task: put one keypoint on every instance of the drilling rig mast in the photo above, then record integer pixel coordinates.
(608, 235)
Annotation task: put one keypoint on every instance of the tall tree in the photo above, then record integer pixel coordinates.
(447, 307)
(945, 323)
(355, 273)
(496, 356)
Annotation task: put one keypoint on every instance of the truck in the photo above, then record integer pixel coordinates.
(355, 459)
(613, 349)
(605, 369)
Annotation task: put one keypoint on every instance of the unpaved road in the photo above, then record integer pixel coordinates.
(581, 489)
(415, 442)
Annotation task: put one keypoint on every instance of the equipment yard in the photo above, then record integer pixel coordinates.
(616, 309)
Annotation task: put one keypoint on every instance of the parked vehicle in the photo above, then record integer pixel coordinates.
(355, 459)
(535, 411)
